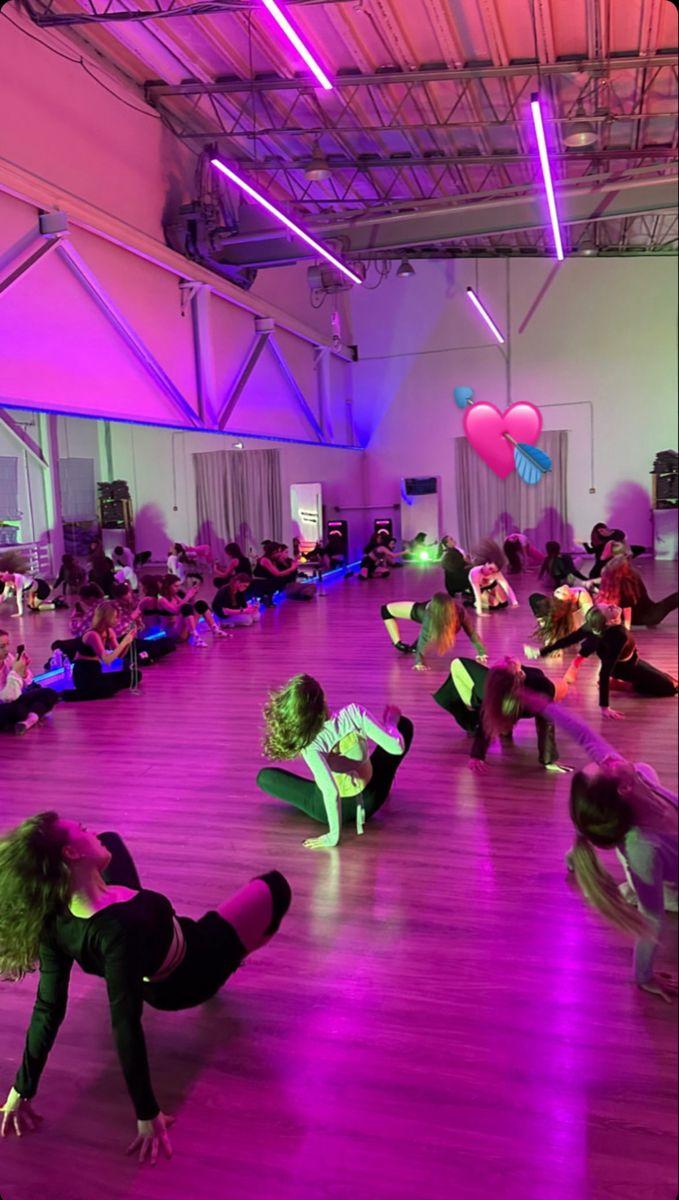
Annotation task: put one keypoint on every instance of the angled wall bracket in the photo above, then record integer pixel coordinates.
(24, 439)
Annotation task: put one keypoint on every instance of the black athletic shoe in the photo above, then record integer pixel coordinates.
(403, 648)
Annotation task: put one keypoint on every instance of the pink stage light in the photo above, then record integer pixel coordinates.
(471, 295)
(276, 212)
(293, 37)
(546, 173)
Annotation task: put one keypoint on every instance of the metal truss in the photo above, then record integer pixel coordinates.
(110, 13)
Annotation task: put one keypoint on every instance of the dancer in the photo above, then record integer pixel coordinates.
(22, 702)
(100, 647)
(599, 539)
(34, 590)
(558, 566)
(560, 614)
(616, 804)
(71, 575)
(69, 896)
(518, 551)
(487, 703)
(491, 590)
(440, 618)
(374, 564)
(348, 785)
(622, 584)
(456, 566)
(604, 634)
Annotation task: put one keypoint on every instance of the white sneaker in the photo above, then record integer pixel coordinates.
(198, 641)
(221, 633)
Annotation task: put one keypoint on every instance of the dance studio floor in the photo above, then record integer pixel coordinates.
(440, 1016)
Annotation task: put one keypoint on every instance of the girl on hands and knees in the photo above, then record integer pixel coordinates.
(69, 896)
(622, 806)
(488, 703)
(348, 784)
(441, 619)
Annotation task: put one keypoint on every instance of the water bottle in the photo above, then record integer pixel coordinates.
(57, 661)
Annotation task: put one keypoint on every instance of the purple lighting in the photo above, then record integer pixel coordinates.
(276, 212)
(293, 37)
(536, 112)
(471, 295)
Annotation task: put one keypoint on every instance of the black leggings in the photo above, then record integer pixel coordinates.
(35, 699)
(213, 949)
(91, 683)
(305, 795)
(655, 611)
(645, 679)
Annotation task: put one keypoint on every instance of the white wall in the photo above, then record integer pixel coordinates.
(601, 330)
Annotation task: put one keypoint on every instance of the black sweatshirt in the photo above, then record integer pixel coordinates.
(122, 944)
(535, 681)
(614, 644)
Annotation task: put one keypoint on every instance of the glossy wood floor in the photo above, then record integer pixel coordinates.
(440, 1015)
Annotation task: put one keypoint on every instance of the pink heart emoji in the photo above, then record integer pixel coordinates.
(484, 426)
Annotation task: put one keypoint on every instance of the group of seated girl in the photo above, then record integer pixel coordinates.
(380, 556)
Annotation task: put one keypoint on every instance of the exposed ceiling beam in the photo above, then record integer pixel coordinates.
(110, 15)
(397, 162)
(384, 235)
(274, 83)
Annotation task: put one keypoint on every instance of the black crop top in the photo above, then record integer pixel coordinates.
(122, 943)
(615, 644)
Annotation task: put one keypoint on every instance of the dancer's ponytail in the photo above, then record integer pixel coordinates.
(601, 891)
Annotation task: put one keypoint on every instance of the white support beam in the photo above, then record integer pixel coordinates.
(52, 485)
(264, 330)
(322, 365)
(203, 354)
(24, 439)
(295, 389)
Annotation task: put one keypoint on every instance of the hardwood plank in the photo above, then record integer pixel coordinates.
(440, 1014)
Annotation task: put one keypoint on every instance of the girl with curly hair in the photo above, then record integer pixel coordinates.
(69, 896)
(441, 619)
(348, 784)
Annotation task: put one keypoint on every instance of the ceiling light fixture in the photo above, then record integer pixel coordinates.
(293, 37)
(276, 212)
(536, 113)
(406, 270)
(471, 295)
(318, 167)
(580, 133)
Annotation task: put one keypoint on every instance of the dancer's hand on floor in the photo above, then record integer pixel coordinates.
(477, 766)
(483, 659)
(663, 985)
(325, 842)
(558, 768)
(18, 1116)
(421, 667)
(571, 676)
(530, 652)
(151, 1136)
(612, 714)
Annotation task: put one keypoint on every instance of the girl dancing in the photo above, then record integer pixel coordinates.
(69, 896)
(441, 619)
(487, 703)
(622, 584)
(604, 634)
(622, 806)
(348, 784)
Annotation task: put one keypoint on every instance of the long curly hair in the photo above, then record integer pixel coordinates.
(501, 703)
(557, 621)
(441, 623)
(620, 582)
(294, 715)
(34, 888)
(488, 551)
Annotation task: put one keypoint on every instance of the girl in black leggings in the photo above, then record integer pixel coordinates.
(69, 896)
(99, 647)
(348, 785)
(604, 634)
(440, 618)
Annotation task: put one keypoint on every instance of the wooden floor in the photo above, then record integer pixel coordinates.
(440, 1015)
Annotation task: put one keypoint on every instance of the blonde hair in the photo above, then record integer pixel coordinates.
(441, 623)
(294, 715)
(601, 891)
(106, 615)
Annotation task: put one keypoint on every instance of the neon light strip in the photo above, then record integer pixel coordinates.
(471, 295)
(536, 111)
(250, 191)
(284, 25)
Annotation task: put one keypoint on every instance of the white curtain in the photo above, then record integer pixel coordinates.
(489, 507)
(238, 497)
